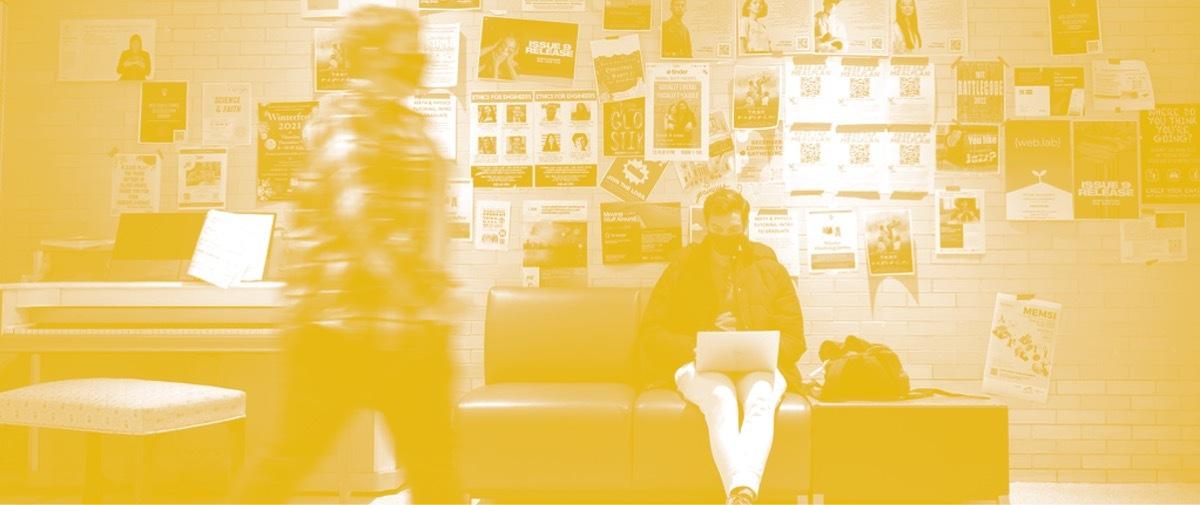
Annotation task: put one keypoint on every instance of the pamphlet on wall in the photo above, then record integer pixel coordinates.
(1121, 85)
(832, 240)
(678, 108)
(640, 232)
(227, 109)
(979, 91)
(1156, 237)
(972, 149)
(493, 220)
(929, 27)
(136, 183)
(203, 173)
(778, 229)
(459, 210)
(555, 241)
(439, 44)
(889, 242)
(1020, 351)
(1048, 91)
(959, 227)
(1106, 169)
(1075, 27)
(1038, 179)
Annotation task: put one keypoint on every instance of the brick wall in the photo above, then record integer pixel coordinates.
(1126, 399)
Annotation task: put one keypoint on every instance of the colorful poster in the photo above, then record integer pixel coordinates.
(773, 27)
(861, 156)
(812, 83)
(439, 44)
(1106, 170)
(959, 225)
(929, 27)
(889, 242)
(323, 9)
(1171, 154)
(756, 95)
(640, 232)
(809, 150)
(700, 29)
(163, 114)
(1075, 27)
(459, 212)
(698, 179)
(852, 26)
(493, 219)
(448, 5)
(628, 15)
(912, 153)
(1048, 91)
(226, 113)
(618, 65)
(979, 91)
(862, 92)
(282, 153)
(973, 149)
(1157, 237)
(1020, 351)
(911, 93)
(777, 228)
(554, 5)
(202, 176)
(625, 127)
(440, 108)
(502, 134)
(565, 146)
(106, 49)
(555, 241)
(679, 104)
(331, 68)
(632, 179)
(512, 49)
(1037, 171)
(832, 241)
(758, 155)
(136, 183)
(1121, 85)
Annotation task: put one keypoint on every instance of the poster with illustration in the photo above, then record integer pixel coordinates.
(679, 104)
(331, 68)
(888, 235)
(758, 156)
(971, 149)
(1171, 154)
(959, 224)
(766, 27)
(696, 29)
(282, 152)
(106, 49)
(203, 172)
(832, 236)
(555, 241)
(1038, 179)
(1075, 27)
(1106, 170)
(1020, 350)
(698, 179)
(640, 232)
(512, 49)
(756, 96)
(459, 212)
(860, 27)
(632, 179)
(929, 26)
(493, 222)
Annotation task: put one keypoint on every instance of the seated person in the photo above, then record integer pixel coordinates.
(726, 283)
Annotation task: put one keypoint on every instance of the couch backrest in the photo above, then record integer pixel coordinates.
(561, 335)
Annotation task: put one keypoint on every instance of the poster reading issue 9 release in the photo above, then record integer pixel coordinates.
(513, 49)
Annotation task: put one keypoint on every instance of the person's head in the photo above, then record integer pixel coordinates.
(682, 107)
(726, 215)
(831, 4)
(507, 46)
(906, 9)
(678, 7)
(754, 9)
(382, 47)
(580, 140)
(135, 42)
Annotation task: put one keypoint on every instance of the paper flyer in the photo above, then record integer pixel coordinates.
(700, 29)
(512, 49)
(640, 232)
(202, 177)
(1048, 91)
(912, 151)
(777, 228)
(1106, 170)
(136, 183)
(765, 27)
(163, 114)
(979, 91)
(1121, 86)
(618, 65)
(282, 152)
(440, 108)
(501, 139)
(555, 241)
(911, 94)
(832, 240)
(1171, 154)
(632, 179)
(1075, 27)
(440, 45)
(106, 49)
(554, 5)
(859, 27)
(1156, 237)
(226, 110)
(972, 149)
(861, 158)
(811, 83)
(929, 27)
(810, 151)
(678, 102)
(625, 127)
(862, 92)
(1038, 180)
(756, 96)
(565, 151)
(627, 15)
(889, 242)
(758, 155)
(959, 226)
(459, 197)
(698, 179)
(1020, 351)
(448, 5)
(331, 68)
(493, 220)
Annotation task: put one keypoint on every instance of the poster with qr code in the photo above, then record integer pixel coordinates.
(860, 27)
(911, 95)
(758, 155)
(1155, 237)
(1106, 169)
(678, 104)
(959, 224)
(696, 29)
(973, 149)
(912, 150)
(756, 96)
(888, 235)
(1020, 350)
(810, 84)
(861, 158)
(1075, 27)
(774, 27)
(809, 151)
(832, 240)
(862, 92)
(929, 27)
(979, 91)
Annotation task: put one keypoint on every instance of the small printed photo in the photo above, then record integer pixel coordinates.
(516, 144)
(581, 113)
(580, 141)
(487, 113)
(550, 111)
(514, 113)
(487, 145)
(550, 143)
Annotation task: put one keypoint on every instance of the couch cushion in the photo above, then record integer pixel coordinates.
(515, 438)
(561, 335)
(672, 459)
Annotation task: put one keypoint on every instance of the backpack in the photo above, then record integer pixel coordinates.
(860, 370)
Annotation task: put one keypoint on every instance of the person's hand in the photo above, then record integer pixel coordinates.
(726, 322)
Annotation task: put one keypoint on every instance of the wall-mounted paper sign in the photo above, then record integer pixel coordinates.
(1020, 350)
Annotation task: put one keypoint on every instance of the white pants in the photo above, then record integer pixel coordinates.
(740, 454)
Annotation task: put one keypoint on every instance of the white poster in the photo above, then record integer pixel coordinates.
(202, 175)
(1020, 351)
(852, 26)
(679, 105)
(809, 150)
(493, 220)
(911, 95)
(566, 125)
(227, 113)
(758, 155)
(861, 158)
(929, 27)
(912, 159)
(959, 226)
(862, 92)
(502, 135)
(439, 44)
(777, 228)
(554, 5)
(459, 212)
(769, 27)
(106, 49)
(1121, 85)
(1048, 91)
(832, 240)
(810, 89)
(1157, 237)
(440, 108)
(135, 183)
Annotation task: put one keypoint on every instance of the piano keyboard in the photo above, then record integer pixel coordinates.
(143, 331)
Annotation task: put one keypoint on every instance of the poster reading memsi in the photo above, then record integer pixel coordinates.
(889, 242)
(227, 113)
(832, 240)
(282, 153)
(679, 104)
(774, 27)
(640, 232)
(106, 49)
(700, 29)
(135, 183)
(1020, 350)
(627, 15)
(1171, 154)
(756, 96)
(512, 49)
(979, 91)
(1037, 171)
(959, 227)
(1075, 27)
(1106, 170)
(163, 114)
(852, 26)
(929, 27)
(973, 149)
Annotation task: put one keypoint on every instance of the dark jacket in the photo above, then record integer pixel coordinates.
(685, 301)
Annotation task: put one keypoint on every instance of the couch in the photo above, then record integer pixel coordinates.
(561, 416)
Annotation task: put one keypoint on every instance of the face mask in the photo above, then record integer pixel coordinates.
(726, 244)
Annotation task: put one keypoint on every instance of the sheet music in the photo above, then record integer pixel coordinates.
(232, 247)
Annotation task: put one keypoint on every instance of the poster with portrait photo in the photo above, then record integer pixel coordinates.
(163, 116)
(911, 91)
(861, 158)
(628, 15)
(971, 149)
(501, 138)
(912, 152)
(858, 27)
(758, 155)
(929, 26)
(862, 91)
(832, 236)
(1106, 169)
(328, 9)
(531, 50)
(774, 27)
(106, 49)
(202, 176)
(1048, 91)
(1038, 178)
(1020, 349)
(959, 224)
(331, 68)
(756, 96)
(1075, 27)
(1171, 154)
(809, 151)
(565, 138)
(696, 29)
(640, 232)
(282, 152)
(888, 234)
(618, 65)
(678, 103)
(812, 83)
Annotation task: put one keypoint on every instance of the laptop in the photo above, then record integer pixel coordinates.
(737, 351)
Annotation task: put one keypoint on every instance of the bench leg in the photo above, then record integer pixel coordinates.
(143, 465)
(93, 477)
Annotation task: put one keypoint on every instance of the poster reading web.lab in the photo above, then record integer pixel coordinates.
(1037, 171)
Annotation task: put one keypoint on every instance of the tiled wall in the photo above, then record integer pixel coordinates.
(1125, 405)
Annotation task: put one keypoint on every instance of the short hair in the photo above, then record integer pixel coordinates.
(725, 201)
(373, 26)
(761, 13)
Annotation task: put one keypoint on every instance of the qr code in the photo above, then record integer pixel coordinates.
(860, 87)
(810, 86)
(860, 154)
(876, 43)
(910, 155)
(956, 45)
(910, 87)
(810, 153)
(1094, 46)
(724, 50)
